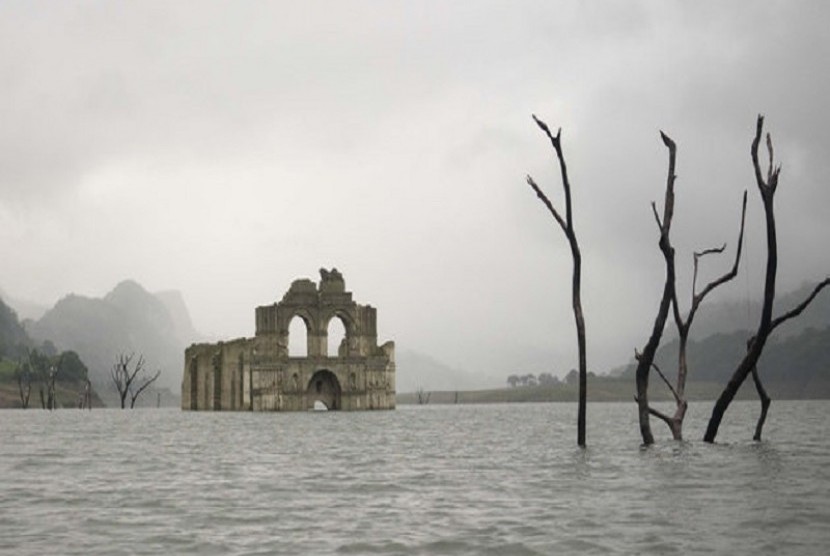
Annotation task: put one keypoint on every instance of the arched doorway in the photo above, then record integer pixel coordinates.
(325, 388)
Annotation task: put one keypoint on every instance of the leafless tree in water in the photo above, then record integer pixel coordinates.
(23, 373)
(131, 380)
(645, 359)
(678, 389)
(567, 226)
(767, 187)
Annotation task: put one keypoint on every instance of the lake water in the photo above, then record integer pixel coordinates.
(487, 479)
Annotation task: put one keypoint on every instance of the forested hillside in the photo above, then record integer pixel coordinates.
(27, 366)
(12, 335)
(792, 366)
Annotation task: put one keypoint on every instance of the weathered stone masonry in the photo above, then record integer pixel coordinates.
(258, 374)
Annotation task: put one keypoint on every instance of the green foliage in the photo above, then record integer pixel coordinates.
(70, 367)
(7, 370)
(49, 348)
(13, 337)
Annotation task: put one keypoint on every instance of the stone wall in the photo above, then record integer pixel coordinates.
(258, 374)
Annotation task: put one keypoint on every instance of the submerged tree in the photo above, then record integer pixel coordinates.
(645, 359)
(678, 390)
(567, 226)
(767, 187)
(45, 371)
(759, 387)
(23, 373)
(130, 380)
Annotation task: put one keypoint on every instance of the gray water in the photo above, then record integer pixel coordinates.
(487, 479)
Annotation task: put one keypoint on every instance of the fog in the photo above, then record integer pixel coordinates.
(225, 150)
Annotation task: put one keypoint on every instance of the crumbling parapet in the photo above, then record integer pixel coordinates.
(258, 373)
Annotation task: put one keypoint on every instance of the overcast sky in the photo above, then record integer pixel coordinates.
(225, 149)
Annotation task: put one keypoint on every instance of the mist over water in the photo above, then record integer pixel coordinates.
(487, 479)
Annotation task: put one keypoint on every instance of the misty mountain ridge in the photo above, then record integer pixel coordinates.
(734, 315)
(795, 366)
(730, 322)
(128, 319)
(158, 325)
(415, 370)
(796, 358)
(12, 333)
(24, 308)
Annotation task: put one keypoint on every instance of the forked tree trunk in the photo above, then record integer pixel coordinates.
(675, 422)
(566, 224)
(24, 385)
(645, 359)
(759, 387)
(767, 189)
(130, 382)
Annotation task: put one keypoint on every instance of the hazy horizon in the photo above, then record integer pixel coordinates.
(225, 150)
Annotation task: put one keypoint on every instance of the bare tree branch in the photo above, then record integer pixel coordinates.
(546, 201)
(125, 378)
(566, 223)
(147, 382)
(657, 413)
(766, 401)
(656, 216)
(800, 308)
(646, 358)
(696, 256)
(767, 190)
(666, 381)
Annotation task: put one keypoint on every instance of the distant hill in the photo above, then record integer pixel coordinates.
(177, 309)
(797, 365)
(731, 316)
(12, 334)
(129, 319)
(794, 353)
(19, 352)
(415, 370)
(24, 309)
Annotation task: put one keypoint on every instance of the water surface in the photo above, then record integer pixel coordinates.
(480, 479)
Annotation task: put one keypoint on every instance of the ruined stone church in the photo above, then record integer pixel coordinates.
(260, 374)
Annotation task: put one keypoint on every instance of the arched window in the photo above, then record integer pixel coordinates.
(297, 337)
(336, 337)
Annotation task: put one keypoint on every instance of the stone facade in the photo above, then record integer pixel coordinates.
(259, 374)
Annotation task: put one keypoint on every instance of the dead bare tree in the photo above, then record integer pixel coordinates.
(645, 360)
(766, 401)
(47, 375)
(678, 390)
(85, 397)
(24, 382)
(767, 187)
(130, 381)
(567, 226)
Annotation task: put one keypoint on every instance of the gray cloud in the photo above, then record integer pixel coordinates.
(225, 150)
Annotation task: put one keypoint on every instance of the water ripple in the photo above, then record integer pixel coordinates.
(499, 479)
